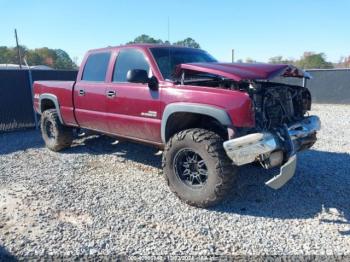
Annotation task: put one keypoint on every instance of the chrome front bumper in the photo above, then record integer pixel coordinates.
(249, 148)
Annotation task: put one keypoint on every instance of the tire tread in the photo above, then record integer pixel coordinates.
(64, 134)
(224, 166)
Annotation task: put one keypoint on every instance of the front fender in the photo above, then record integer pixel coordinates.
(181, 107)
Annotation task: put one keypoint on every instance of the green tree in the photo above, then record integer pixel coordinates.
(249, 60)
(313, 60)
(344, 62)
(4, 55)
(145, 39)
(188, 42)
(55, 58)
(8, 55)
(280, 60)
(33, 58)
(47, 55)
(63, 61)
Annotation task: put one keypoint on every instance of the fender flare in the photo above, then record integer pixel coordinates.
(54, 99)
(182, 107)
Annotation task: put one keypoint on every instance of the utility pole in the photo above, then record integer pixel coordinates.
(233, 55)
(31, 88)
(18, 51)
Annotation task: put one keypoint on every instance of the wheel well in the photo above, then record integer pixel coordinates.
(46, 104)
(183, 120)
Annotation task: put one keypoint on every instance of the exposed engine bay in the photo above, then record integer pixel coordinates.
(275, 104)
(282, 124)
(278, 104)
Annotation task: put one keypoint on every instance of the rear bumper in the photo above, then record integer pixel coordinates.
(259, 146)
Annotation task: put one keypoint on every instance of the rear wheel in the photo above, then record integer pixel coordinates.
(197, 168)
(55, 135)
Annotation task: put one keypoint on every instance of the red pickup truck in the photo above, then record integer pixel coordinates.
(209, 118)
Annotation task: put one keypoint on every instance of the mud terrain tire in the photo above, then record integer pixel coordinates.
(219, 172)
(55, 135)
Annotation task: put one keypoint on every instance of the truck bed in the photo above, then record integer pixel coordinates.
(62, 90)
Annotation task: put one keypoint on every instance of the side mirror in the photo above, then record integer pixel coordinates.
(141, 76)
(137, 76)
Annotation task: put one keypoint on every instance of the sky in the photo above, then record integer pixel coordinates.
(257, 29)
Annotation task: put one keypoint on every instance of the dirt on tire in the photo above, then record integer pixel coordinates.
(55, 135)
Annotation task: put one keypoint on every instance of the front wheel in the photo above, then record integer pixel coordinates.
(55, 135)
(197, 168)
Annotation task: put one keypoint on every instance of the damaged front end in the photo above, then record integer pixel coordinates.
(275, 148)
(282, 125)
(282, 128)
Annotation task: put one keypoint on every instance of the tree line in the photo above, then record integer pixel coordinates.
(146, 39)
(59, 59)
(309, 60)
(54, 58)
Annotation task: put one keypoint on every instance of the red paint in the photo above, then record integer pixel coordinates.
(122, 115)
(63, 91)
(242, 71)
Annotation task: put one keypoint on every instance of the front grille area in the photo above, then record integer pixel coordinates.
(277, 104)
(278, 107)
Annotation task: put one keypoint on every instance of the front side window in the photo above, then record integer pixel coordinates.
(96, 67)
(129, 59)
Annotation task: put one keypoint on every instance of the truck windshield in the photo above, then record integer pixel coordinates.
(168, 58)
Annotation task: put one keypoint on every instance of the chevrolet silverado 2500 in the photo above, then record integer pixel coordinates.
(209, 118)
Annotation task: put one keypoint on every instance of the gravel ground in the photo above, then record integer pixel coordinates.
(104, 198)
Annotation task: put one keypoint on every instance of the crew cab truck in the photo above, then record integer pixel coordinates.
(209, 118)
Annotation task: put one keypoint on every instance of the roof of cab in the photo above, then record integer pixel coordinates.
(140, 45)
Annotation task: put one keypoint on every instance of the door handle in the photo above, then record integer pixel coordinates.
(81, 92)
(111, 94)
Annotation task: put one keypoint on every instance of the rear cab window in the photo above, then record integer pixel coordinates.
(96, 67)
(129, 59)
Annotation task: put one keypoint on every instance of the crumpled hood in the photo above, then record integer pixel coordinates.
(243, 71)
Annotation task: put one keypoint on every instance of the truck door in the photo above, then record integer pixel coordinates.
(133, 109)
(90, 93)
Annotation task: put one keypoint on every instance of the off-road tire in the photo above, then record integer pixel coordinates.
(61, 136)
(221, 172)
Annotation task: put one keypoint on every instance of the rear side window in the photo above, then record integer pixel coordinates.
(128, 59)
(96, 67)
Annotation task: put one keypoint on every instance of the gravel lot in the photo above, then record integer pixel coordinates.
(104, 198)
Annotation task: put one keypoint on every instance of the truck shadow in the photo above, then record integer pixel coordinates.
(321, 183)
(102, 145)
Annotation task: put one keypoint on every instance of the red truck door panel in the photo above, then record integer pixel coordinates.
(132, 109)
(90, 93)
